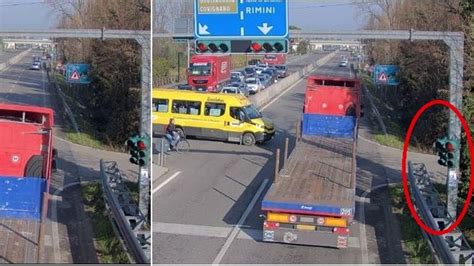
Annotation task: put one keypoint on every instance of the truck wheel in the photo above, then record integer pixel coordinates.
(248, 139)
(34, 167)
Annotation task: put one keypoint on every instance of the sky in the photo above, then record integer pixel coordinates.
(26, 14)
(330, 15)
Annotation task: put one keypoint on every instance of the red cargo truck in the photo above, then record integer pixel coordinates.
(313, 200)
(274, 59)
(26, 162)
(209, 72)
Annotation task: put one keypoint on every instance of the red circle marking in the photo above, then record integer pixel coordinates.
(404, 167)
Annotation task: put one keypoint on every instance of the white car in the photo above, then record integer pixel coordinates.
(343, 63)
(35, 66)
(254, 85)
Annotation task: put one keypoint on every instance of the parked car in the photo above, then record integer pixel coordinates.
(272, 74)
(343, 63)
(35, 66)
(254, 85)
(265, 80)
(249, 72)
(259, 70)
(282, 71)
(236, 90)
(236, 75)
(254, 62)
(185, 87)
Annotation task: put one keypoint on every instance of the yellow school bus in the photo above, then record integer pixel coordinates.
(218, 116)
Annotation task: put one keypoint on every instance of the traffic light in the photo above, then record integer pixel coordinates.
(451, 147)
(446, 149)
(139, 147)
(241, 46)
(260, 46)
(212, 46)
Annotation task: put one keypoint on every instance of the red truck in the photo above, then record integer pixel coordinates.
(312, 201)
(209, 72)
(274, 59)
(26, 164)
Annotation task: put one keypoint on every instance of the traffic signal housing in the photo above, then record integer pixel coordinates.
(446, 149)
(139, 148)
(279, 46)
(212, 46)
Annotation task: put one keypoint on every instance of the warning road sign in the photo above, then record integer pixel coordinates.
(77, 73)
(382, 77)
(386, 75)
(75, 76)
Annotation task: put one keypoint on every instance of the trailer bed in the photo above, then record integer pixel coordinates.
(19, 241)
(319, 179)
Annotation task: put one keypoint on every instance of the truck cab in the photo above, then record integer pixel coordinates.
(209, 73)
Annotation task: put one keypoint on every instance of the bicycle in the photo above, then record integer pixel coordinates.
(183, 145)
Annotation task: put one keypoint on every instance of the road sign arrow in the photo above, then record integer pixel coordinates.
(264, 28)
(203, 30)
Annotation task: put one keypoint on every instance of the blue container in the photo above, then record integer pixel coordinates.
(328, 125)
(21, 198)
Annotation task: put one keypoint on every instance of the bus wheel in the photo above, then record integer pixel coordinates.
(248, 139)
(34, 167)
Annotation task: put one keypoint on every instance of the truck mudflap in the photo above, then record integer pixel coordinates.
(323, 238)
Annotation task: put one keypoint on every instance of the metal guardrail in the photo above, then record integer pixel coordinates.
(452, 247)
(126, 215)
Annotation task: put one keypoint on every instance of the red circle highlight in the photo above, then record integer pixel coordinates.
(404, 167)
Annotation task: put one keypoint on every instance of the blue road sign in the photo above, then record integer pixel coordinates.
(77, 73)
(386, 75)
(241, 19)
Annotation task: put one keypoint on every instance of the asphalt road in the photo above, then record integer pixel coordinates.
(6, 55)
(217, 183)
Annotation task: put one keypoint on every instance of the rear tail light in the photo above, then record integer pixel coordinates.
(341, 231)
(271, 225)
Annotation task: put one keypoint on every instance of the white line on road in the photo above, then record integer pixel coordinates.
(166, 182)
(292, 86)
(242, 220)
(219, 232)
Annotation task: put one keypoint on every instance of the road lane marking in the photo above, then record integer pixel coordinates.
(219, 232)
(242, 220)
(165, 182)
(298, 82)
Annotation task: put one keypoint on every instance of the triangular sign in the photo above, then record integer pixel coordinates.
(75, 76)
(382, 77)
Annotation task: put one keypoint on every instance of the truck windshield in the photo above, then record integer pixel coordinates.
(252, 112)
(200, 70)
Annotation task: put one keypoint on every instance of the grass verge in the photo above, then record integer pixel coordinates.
(414, 245)
(107, 245)
(87, 135)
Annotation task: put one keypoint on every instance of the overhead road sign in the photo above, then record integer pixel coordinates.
(386, 75)
(77, 73)
(241, 19)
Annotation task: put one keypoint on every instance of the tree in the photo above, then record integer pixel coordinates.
(303, 47)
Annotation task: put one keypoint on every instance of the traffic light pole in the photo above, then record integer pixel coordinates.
(145, 125)
(456, 53)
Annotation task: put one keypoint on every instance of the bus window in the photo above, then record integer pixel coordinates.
(214, 109)
(186, 107)
(160, 105)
